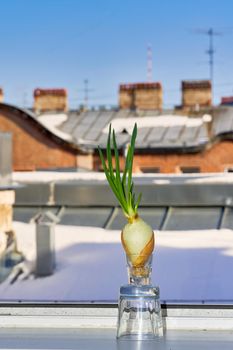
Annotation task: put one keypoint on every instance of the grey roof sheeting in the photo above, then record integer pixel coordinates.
(223, 121)
(73, 122)
(156, 133)
(168, 202)
(89, 130)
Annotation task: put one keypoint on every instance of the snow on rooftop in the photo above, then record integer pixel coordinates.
(187, 265)
(147, 122)
(53, 119)
(52, 122)
(49, 176)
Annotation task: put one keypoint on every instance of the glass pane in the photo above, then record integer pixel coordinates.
(85, 216)
(153, 216)
(25, 214)
(227, 221)
(192, 218)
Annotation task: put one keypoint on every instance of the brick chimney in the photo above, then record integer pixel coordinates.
(227, 101)
(1, 95)
(50, 100)
(146, 96)
(196, 93)
(126, 96)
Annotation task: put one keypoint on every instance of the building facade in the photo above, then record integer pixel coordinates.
(34, 146)
(165, 144)
(218, 158)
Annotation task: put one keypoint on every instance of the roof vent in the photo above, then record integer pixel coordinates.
(207, 118)
(124, 131)
(45, 231)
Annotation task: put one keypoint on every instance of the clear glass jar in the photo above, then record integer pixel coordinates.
(139, 311)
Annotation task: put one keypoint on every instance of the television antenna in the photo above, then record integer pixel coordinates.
(211, 33)
(149, 63)
(86, 91)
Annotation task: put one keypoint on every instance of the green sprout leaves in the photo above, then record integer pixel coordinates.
(121, 185)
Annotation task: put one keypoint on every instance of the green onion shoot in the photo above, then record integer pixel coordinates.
(137, 236)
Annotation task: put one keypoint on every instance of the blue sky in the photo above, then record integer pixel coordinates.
(59, 43)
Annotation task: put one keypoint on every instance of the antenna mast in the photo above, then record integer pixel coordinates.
(86, 91)
(149, 63)
(211, 52)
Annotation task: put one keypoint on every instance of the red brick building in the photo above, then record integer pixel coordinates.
(35, 147)
(227, 101)
(217, 158)
(165, 146)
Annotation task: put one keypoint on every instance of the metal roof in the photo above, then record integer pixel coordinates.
(177, 132)
(168, 202)
(223, 121)
(156, 132)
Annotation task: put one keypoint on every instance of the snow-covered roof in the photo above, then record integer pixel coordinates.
(53, 176)
(170, 202)
(149, 122)
(154, 131)
(191, 214)
(52, 123)
(197, 265)
(169, 133)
